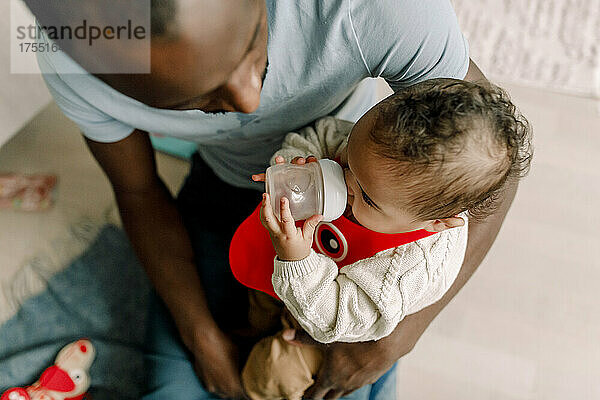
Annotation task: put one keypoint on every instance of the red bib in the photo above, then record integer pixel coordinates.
(251, 252)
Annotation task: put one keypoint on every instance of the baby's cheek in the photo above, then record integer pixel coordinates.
(370, 219)
(358, 212)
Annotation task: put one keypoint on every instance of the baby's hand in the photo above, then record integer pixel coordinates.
(281, 160)
(290, 242)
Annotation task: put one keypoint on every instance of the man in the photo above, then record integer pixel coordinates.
(210, 83)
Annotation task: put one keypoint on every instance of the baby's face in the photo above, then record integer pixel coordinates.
(371, 194)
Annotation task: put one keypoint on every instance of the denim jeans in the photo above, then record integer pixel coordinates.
(212, 210)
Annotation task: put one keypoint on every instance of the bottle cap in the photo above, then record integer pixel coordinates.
(334, 190)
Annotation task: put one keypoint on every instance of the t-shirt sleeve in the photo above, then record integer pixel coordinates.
(406, 42)
(94, 124)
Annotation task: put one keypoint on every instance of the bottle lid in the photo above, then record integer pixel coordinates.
(334, 190)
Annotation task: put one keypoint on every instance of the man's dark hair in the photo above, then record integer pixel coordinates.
(453, 145)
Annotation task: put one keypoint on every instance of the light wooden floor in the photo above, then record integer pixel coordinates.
(527, 324)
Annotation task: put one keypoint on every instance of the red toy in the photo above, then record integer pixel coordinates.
(67, 379)
(251, 253)
(26, 192)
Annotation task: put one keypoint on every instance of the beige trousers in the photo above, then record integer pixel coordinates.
(276, 369)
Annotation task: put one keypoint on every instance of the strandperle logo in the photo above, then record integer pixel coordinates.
(83, 31)
(80, 36)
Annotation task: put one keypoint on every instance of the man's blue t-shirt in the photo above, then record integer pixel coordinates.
(318, 51)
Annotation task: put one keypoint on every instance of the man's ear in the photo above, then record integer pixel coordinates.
(440, 225)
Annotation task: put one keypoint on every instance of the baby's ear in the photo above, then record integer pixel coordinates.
(440, 225)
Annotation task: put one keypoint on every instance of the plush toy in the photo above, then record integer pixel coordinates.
(67, 379)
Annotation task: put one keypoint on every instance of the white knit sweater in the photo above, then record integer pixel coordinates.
(365, 300)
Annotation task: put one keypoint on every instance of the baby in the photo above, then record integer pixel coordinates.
(418, 166)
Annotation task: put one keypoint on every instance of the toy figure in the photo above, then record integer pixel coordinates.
(67, 379)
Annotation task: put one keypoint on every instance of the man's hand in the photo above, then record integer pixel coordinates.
(217, 365)
(350, 366)
(162, 244)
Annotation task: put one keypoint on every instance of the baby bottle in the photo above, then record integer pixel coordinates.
(312, 188)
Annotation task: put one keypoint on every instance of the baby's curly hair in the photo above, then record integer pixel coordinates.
(453, 146)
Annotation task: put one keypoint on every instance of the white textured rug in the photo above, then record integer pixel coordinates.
(552, 44)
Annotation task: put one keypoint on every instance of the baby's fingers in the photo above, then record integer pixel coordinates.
(258, 177)
(267, 217)
(303, 160)
(308, 229)
(298, 160)
(287, 221)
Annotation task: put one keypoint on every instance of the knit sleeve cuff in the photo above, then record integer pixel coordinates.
(297, 269)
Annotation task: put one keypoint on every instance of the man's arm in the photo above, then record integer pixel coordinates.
(162, 244)
(349, 366)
